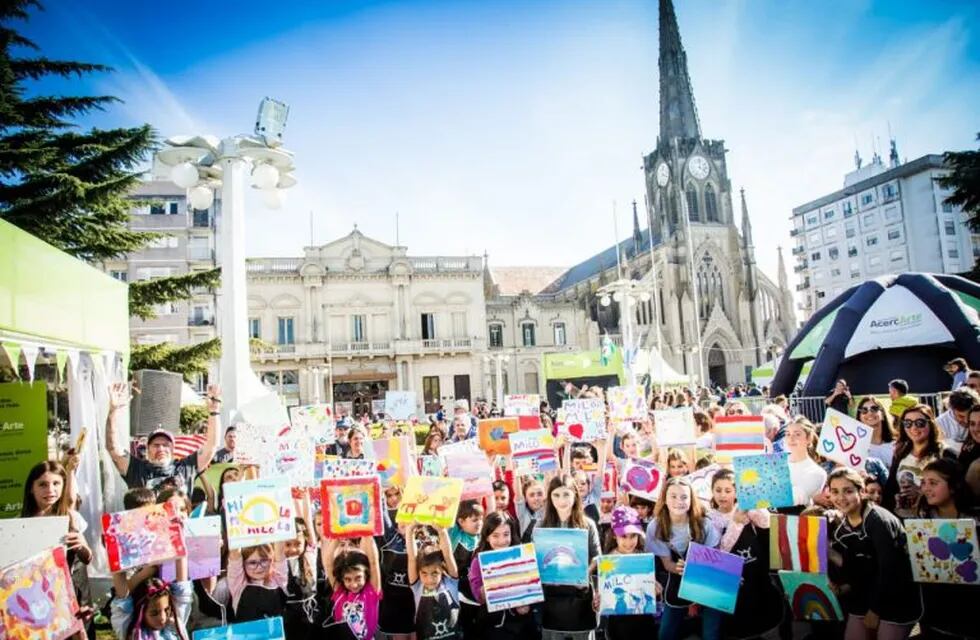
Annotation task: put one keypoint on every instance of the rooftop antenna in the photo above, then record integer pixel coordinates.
(857, 154)
(893, 160)
(619, 262)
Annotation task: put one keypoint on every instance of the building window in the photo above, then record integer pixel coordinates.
(693, 211)
(874, 261)
(835, 273)
(166, 309)
(814, 239)
(849, 231)
(831, 232)
(897, 255)
(148, 273)
(852, 250)
(286, 334)
(828, 214)
(121, 276)
(817, 274)
(162, 242)
(711, 204)
(157, 209)
(892, 214)
(459, 324)
(430, 393)
(949, 227)
(867, 199)
(560, 339)
(255, 328)
(855, 271)
(869, 219)
(428, 326)
(894, 234)
(848, 208)
(174, 208)
(871, 241)
(947, 207)
(954, 254)
(815, 256)
(811, 220)
(527, 333)
(833, 253)
(496, 336)
(359, 328)
(889, 192)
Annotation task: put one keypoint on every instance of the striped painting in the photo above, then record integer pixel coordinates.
(798, 543)
(738, 436)
(510, 577)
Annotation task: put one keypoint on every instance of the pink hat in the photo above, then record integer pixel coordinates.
(160, 433)
(625, 520)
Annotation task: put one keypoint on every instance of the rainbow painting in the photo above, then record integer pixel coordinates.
(510, 577)
(810, 596)
(798, 543)
(563, 555)
(738, 436)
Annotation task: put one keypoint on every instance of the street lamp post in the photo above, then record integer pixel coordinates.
(626, 293)
(202, 164)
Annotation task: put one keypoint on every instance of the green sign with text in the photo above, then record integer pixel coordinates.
(23, 440)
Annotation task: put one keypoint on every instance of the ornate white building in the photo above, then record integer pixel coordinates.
(355, 317)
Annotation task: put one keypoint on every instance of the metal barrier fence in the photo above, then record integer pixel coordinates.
(814, 407)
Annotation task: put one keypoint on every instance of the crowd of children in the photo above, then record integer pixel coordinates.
(425, 582)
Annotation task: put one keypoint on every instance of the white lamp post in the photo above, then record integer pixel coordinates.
(202, 164)
(626, 293)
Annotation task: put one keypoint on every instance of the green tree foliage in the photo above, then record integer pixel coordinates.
(143, 294)
(964, 181)
(192, 416)
(185, 360)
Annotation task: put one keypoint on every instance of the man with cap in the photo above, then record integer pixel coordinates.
(159, 465)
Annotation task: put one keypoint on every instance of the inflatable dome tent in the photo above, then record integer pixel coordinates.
(906, 326)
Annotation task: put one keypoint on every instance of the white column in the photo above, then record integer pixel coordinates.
(235, 369)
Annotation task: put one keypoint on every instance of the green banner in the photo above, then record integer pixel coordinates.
(23, 439)
(582, 364)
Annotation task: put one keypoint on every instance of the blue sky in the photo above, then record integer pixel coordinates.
(513, 127)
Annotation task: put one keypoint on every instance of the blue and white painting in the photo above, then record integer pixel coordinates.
(627, 585)
(563, 556)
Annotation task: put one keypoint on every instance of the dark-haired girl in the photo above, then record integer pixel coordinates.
(879, 596)
(920, 441)
(153, 609)
(355, 577)
(872, 414)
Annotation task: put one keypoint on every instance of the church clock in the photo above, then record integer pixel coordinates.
(698, 167)
(663, 174)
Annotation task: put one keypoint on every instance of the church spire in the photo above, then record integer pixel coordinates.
(678, 115)
(637, 236)
(783, 278)
(746, 223)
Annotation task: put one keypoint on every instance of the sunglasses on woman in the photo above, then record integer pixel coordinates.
(918, 423)
(870, 409)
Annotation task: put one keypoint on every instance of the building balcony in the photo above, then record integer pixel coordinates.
(803, 285)
(802, 266)
(272, 265)
(798, 251)
(161, 221)
(200, 254)
(447, 264)
(795, 232)
(198, 321)
(362, 348)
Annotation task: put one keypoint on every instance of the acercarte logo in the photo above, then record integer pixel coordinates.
(897, 322)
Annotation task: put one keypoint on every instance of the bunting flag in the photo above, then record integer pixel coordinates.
(30, 352)
(60, 358)
(13, 354)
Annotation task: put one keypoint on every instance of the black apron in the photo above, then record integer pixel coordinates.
(397, 602)
(437, 618)
(258, 602)
(759, 606)
(303, 613)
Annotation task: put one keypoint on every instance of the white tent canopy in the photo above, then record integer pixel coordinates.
(649, 361)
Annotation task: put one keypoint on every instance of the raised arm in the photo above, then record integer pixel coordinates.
(206, 453)
(371, 550)
(413, 568)
(118, 401)
(328, 549)
(447, 553)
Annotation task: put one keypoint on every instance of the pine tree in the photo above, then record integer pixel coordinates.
(964, 180)
(73, 189)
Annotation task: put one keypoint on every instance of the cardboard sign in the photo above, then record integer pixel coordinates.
(675, 426)
(582, 419)
(810, 596)
(494, 433)
(253, 444)
(202, 537)
(38, 598)
(430, 501)
(563, 555)
(351, 507)
(843, 439)
(147, 535)
(317, 420)
(701, 481)
(258, 511)
(525, 404)
(533, 451)
(943, 550)
(32, 536)
(510, 577)
(627, 403)
(798, 543)
(473, 468)
(294, 457)
(763, 482)
(627, 585)
(432, 466)
(394, 459)
(711, 577)
(400, 405)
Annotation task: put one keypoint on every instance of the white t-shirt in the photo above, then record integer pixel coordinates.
(884, 452)
(808, 479)
(953, 432)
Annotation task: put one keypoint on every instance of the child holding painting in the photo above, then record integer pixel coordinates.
(626, 536)
(435, 585)
(463, 538)
(355, 577)
(152, 609)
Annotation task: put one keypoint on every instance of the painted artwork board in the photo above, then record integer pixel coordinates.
(351, 507)
(400, 405)
(510, 577)
(763, 481)
(258, 511)
(582, 419)
(563, 555)
(253, 444)
(202, 537)
(395, 460)
(432, 466)
(524, 404)
(711, 577)
(641, 478)
(843, 439)
(627, 585)
(494, 434)
(430, 501)
(533, 451)
(943, 550)
(147, 535)
(675, 426)
(738, 436)
(473, 468)
(317, 420)
(38, 599)
(797, 543)
(328, 466)
(33, 535)
(810, 597)
(627, 403)
(263, 629)
(295, 457)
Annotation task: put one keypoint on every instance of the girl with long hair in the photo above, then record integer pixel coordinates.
(678, 521)
(432, 443)
(152, 609)
(758, 609)
(970, 450)
(871, 413)
(499, 532)
(920, 441)
(945, 495)
(567, 609)
(880, 596)
(807, 476)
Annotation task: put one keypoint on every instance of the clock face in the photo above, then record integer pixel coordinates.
(663, 174)
(698, 167)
